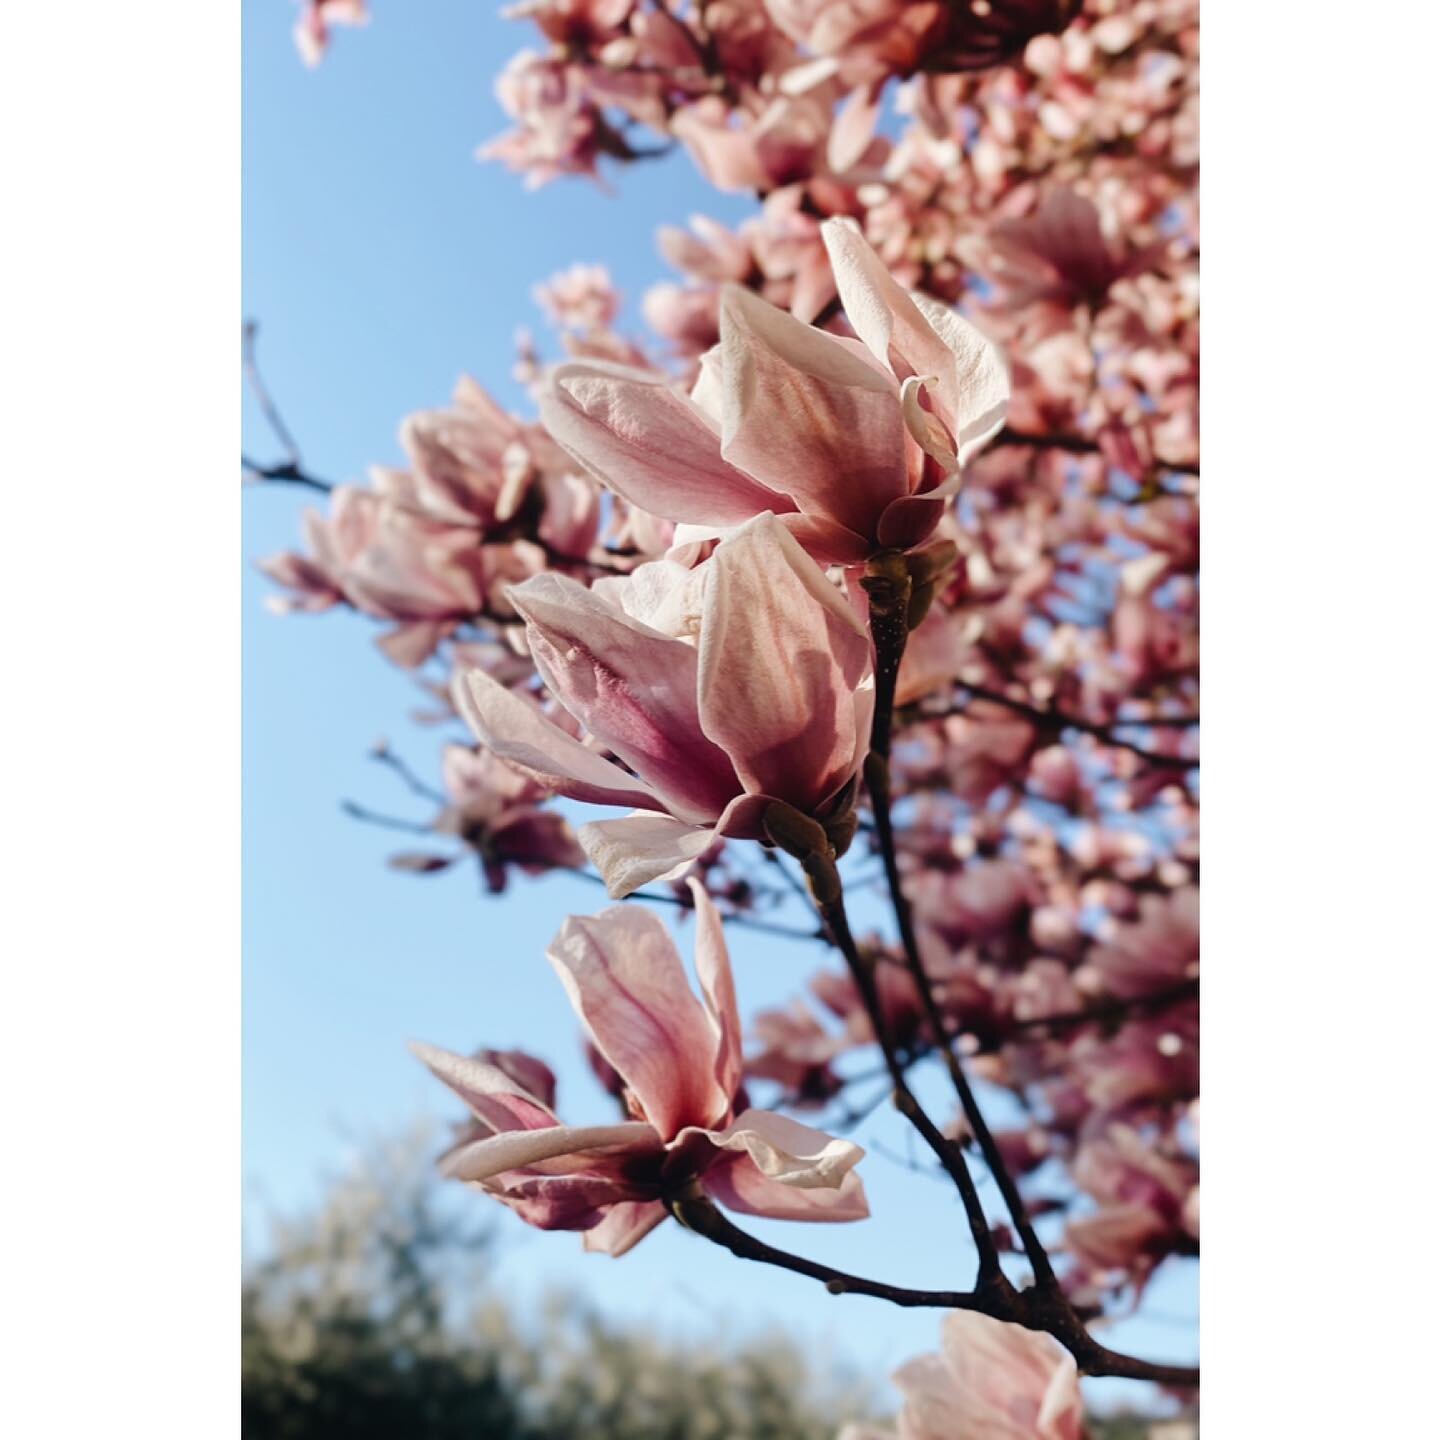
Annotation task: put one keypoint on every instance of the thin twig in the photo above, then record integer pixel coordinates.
(384, 755)
(249, 333)
(385, 822)
(765, 927)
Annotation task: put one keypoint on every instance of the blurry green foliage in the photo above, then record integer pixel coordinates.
(369, 1318)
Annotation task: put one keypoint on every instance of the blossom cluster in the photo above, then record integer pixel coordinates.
(954, 351)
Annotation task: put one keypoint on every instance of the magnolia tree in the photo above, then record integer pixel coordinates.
(884, 545)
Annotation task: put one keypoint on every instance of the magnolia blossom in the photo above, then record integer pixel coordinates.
(723, 690)
(1148, 1205)
(875, 38)
(857, 447)
(1062, 254)
(990, 1381)
(580, 298)
(312, 29)
(494, 811)
(680, 1062)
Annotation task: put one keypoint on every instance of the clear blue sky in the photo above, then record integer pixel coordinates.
(382, 261)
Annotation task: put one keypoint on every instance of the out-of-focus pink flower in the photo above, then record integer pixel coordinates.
(723, 690)
(495, 811)
(1146, 1205)
(871, 39)
(857, 447)
(986, 747)
(796, 1052)
(580, 298)
(777, 147)
(680, 1061)
(1062, 255)
(312, 29)
(1160, 949)
(1055, 774)
(390, 562)
(990, 1381)
(899, 1003)
(559, 129)
(574, 22)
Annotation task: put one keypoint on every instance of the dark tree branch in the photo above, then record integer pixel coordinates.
(1054, 721)
(1044, 1306)
(1074, 445)
(1106, 1012)
(1029, 1308)
(699, 1214)
(888, 585)
(947, 1151)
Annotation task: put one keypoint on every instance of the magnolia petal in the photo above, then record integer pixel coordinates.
(491, 1094)
(915, 335)
(708, 391)
(561, 1202)
(928, 433)
(717, 985)
(744, 1188)
(632, 687)
(640, 848)
(648, 443)
(625, 1225)
(999, 1374)
(412, 644)
(827, 542)
(515, 1149)
(517, 731)
(787, 1151)
(910, 521)
(977, 388)
(854, 127)
(808, 414)
(626, 981)
(781, 657)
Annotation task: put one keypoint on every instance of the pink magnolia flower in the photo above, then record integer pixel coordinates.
(388, 561)
(990, 1381)
(312, 29)
(495, 811)
(723, 690)
(559, 130)
(1062, 254)
(1160, 949)
(1147, 1204)
(796, 1052)
(580, 298)
(680, 1061)
(857, 447)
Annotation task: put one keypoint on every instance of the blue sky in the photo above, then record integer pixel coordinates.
(382, 261)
